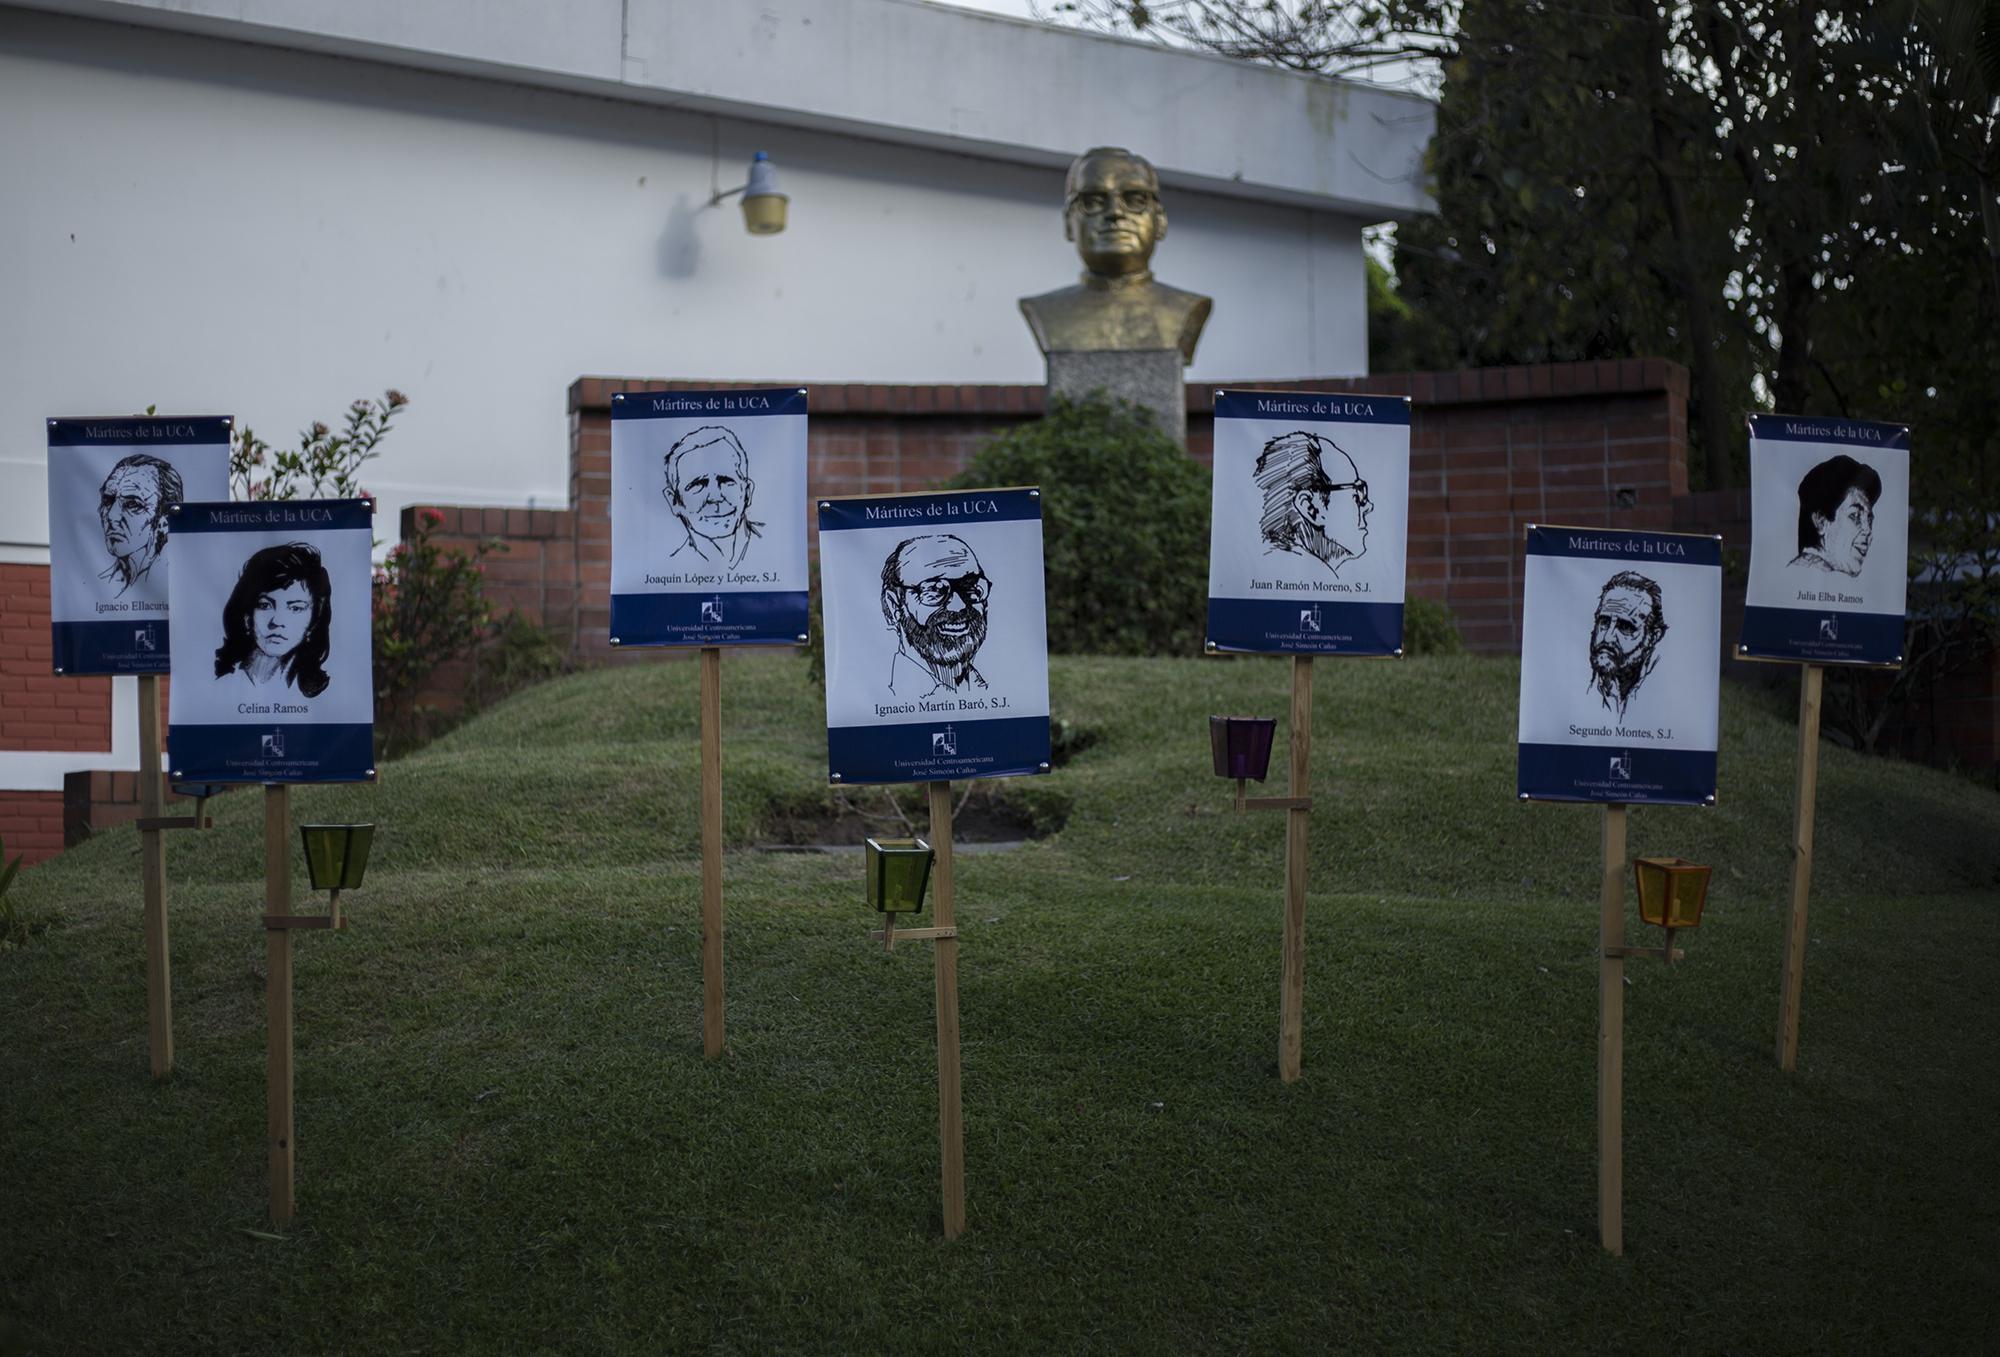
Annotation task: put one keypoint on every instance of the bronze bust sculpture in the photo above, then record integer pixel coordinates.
(1111, 209)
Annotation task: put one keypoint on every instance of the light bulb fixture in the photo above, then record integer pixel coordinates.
(763, 205)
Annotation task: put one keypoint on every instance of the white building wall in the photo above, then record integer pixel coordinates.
(217, 227)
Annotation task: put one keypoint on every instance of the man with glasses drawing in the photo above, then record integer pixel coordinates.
(934, 597)
(1315, 502)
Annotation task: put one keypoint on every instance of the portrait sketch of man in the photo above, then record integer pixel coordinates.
(1625, 634)
(1315, 501)
(132, 513)
(934, 598)
(709, 489)
(1837, 515)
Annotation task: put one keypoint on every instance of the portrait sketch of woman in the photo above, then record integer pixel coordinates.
(274, 626)
(1837, 502)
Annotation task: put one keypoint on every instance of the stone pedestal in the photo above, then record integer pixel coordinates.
(1149, 378)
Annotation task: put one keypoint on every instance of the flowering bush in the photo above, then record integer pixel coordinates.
(430, 608)
(326, 465)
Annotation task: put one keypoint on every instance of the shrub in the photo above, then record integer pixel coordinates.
(430, 608)
(1429, 628)
(1124, 527)
(326, 465)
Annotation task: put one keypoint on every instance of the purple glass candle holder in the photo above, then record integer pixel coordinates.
(1242, 745)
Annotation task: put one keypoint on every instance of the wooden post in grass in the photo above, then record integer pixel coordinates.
(153, 883)
(1611, 1037)
(951, 1117)
(278, 996)
(1292, 1000)
(1792, 980)
(711, 851)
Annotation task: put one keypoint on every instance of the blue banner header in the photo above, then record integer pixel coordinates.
(136, 645)
(1339, 407)
(947, 750)
(937, 508)
(139, 431)
(1606, 773)
(770, 400)
(1619, 544)
(279, 752)
(272, 515)
(718, 619)
(1293, 626)
(1822, 637)
(1862, 433)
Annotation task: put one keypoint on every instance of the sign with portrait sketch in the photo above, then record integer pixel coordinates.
(708, 517)
(937, 651)
(1620, 666)
(1829, 541)
(273, 642)
(110, 482)
(1306, 547)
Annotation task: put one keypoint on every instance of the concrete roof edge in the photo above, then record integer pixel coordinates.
(1324, 144)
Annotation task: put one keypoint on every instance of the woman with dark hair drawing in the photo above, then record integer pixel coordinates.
(1837, 515)
(275, 623)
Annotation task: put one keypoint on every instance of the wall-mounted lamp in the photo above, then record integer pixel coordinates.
(763, 205)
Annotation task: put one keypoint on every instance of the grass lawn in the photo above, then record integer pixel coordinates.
(509, 1140)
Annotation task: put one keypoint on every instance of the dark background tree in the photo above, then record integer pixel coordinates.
(1795, 199)
(1798, 200)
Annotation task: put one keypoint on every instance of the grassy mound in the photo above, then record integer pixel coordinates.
(509, 1139)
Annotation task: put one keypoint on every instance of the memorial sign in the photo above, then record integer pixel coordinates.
(1829, 541)
(1620, 666)
(273, 643)
(936, 636)
(708, 517)
(110, 484)
(1311, 520)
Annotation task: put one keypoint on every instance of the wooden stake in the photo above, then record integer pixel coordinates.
(951, 1116)
(1792, 981)
(1292, 998)
(153, 883)
(1611, 1037)
(711, 851)
(278, 997)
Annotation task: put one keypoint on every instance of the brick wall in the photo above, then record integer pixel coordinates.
(1492, 450)
(40, 711)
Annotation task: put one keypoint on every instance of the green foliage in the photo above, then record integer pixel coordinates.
(325, 465)
(430, 608)
(1429, 628)
(1124, 527)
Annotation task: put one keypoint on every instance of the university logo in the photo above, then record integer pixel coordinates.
(1309, 618)
(711, 610)
(144, 639)
(1829, 629)
(945, 742)
(273, 744)
(1621, 767)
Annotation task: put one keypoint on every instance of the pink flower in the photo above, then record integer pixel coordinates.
(433, 517)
